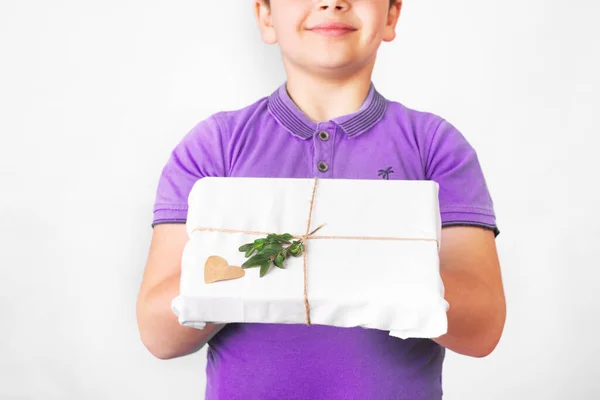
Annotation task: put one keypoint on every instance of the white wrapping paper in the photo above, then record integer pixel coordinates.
(391, 285)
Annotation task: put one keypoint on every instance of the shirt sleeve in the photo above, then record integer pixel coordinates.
(463, 195)
(201, 152)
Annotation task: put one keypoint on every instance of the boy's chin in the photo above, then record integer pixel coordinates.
(338, 70)
(334, 65)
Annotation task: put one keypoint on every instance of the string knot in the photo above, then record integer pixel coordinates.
(307, 235)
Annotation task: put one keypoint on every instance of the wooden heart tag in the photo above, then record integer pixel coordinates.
(217, 269)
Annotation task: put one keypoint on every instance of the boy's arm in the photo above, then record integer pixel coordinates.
(473, 285)
(160, 331)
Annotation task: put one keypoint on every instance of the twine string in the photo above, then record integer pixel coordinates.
(304, 238)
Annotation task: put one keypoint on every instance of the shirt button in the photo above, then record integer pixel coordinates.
(323, 135)
(322, 166)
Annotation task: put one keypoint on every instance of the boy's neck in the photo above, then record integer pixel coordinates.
(322, 99)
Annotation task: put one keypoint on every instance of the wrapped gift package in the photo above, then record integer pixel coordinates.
(373, 263)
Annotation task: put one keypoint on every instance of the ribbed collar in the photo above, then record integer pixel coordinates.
(285, 111)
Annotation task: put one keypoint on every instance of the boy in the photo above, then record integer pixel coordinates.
(328, 121)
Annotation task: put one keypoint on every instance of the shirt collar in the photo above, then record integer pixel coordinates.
(285, 111)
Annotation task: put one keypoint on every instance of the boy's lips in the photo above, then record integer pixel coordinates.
(334, 29)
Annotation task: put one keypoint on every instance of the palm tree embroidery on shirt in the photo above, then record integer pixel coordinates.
(385, 173)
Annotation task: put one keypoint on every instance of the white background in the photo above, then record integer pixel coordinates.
(94, 96)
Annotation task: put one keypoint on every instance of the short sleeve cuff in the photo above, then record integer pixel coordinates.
(469, 216)
(164, 214)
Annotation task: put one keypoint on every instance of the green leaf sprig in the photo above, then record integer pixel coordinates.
(272, 250)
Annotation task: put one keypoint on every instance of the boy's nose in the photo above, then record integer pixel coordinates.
(337, 5)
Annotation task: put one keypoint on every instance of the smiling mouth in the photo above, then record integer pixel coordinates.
(333, 29)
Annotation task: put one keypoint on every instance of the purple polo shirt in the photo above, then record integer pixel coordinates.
(273, 138)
